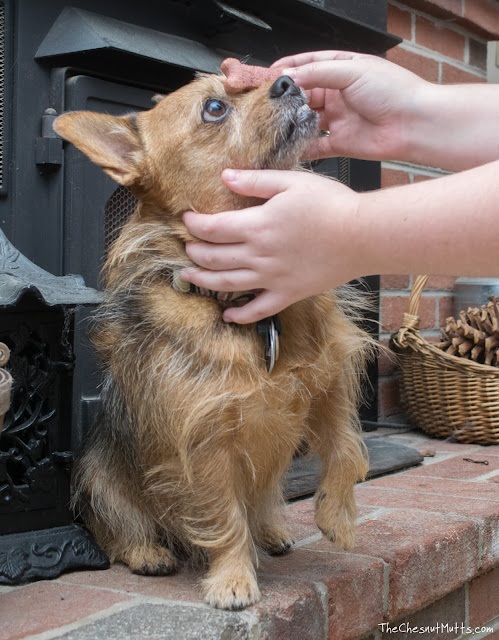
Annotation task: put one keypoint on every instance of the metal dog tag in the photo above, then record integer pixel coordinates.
(272, 352)
(270, 328)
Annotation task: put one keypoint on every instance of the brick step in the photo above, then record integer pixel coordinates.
(427, 553)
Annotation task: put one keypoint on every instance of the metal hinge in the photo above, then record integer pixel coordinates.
(48, 148)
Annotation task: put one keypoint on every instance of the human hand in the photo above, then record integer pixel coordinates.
(297, 244)
(367, 103)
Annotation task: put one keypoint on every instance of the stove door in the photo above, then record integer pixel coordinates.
(88, 218)
(95, 207)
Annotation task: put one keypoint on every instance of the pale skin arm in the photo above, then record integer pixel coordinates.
(292, 249)
(377, 110)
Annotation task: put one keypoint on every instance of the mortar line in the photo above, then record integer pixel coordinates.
(386, 586)
(430, 493)
(466, 603)
(313, 538)
(476, 480)
(430, 54)
(446, 23)
(494, 624)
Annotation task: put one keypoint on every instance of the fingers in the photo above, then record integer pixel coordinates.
(312, 56)
(266, 304)
(235, 280)
(231, 226)
(226, 227)
(216, 257)
(259, 184)
(339, 74)
(316, 98)
(321, 148)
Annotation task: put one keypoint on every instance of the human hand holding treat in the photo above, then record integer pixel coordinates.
(378, 110)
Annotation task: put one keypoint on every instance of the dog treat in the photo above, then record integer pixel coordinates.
(245, 76)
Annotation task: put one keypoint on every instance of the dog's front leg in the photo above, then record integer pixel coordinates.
(336, 438)
(231, 580)
(220, 526)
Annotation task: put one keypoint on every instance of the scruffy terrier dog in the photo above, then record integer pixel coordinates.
(195, 434)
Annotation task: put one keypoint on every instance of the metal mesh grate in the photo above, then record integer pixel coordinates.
(119, 208)
(2, 87)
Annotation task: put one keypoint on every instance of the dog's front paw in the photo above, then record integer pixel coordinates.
(275, 540)
(231, 592)
(337, 522)
(151, 560)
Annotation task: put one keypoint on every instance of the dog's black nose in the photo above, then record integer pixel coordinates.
(284, 86)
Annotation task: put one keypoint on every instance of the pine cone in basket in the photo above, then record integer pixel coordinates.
(475, 335)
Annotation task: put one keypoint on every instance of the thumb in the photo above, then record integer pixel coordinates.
(266, 304)
(260, 184)
(323, 147)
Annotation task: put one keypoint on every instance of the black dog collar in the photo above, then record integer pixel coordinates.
(270, 328)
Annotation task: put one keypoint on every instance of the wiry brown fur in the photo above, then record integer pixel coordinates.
(195, 436)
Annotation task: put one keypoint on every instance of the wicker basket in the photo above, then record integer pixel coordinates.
(445, 396)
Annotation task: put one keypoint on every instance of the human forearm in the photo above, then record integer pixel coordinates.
(454, 127)
(446, 226)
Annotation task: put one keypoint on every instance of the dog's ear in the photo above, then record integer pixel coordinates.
(111, 142)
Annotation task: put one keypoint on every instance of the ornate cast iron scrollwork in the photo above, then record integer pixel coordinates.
(49, 552)
(26, 461)
(37, 537)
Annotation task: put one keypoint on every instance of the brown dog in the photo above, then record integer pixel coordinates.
(195, 435)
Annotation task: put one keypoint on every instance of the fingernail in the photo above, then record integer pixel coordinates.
(185, 275)
(230, 175)
(180, 282)
(226, 318)
(292, 73)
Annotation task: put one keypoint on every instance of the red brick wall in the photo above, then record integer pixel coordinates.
(444, 41)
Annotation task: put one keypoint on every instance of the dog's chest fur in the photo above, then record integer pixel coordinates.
(183, 352)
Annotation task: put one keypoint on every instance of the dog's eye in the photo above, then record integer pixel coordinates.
(214, 110)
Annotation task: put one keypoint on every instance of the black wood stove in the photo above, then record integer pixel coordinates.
(61, 212)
